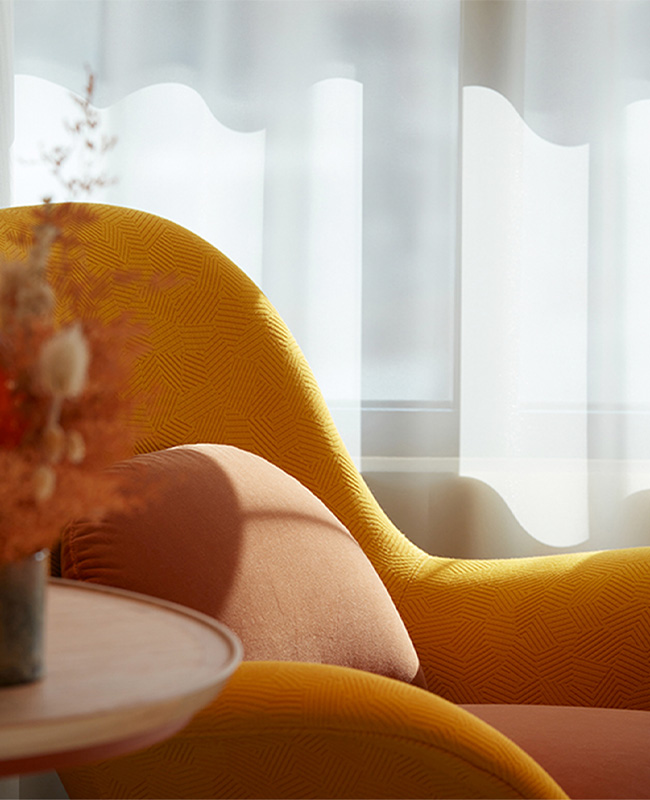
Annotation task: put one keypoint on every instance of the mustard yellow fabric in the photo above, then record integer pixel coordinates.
(309, 730)
(571, 629)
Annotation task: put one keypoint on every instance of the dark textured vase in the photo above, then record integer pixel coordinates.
(22, 611)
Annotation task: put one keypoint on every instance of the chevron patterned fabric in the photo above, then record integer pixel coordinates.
(284, 729)
(570, 629)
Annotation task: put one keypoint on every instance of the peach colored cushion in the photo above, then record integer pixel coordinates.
(591, 752)
(229, 534)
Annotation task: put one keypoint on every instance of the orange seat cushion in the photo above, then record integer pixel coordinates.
(227, 533)
(591, 752)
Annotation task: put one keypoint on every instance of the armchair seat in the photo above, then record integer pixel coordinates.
(374, 669)
(590, 752)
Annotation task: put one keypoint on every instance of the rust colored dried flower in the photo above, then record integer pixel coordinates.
(64, 411)
(64, 415)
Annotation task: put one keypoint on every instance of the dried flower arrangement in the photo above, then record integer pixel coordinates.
(64, 405)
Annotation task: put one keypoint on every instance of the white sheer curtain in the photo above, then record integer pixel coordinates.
(6, 97)
(447, 200)
(554, 289)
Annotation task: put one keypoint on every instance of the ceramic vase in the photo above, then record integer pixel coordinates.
(22, 612)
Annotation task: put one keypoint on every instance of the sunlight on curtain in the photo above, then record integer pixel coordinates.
(635, 391)
(636, 180)
(333, 267)
(523, 403)
(174, 160)
(555, 377)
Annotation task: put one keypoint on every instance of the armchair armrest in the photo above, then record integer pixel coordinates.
(569, 629)
(283, 729)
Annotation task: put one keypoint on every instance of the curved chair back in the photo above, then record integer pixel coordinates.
(224, 365)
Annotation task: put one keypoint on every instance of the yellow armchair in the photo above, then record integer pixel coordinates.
(565, 630)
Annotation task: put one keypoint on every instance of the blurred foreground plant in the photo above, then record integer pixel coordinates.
(64, 401)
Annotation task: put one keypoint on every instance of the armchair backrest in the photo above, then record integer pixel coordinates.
(225, 367)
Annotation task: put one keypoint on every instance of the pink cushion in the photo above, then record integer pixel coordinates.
(225, 532)
(590, 752)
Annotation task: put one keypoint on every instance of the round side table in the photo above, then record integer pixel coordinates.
(123, 671)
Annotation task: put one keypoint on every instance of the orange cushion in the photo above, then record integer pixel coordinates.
(227, 533)
(591, 752)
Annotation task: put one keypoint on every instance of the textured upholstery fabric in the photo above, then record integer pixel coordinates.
(569, 629)
(591, 752)
(311, 730)
(225, 532)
